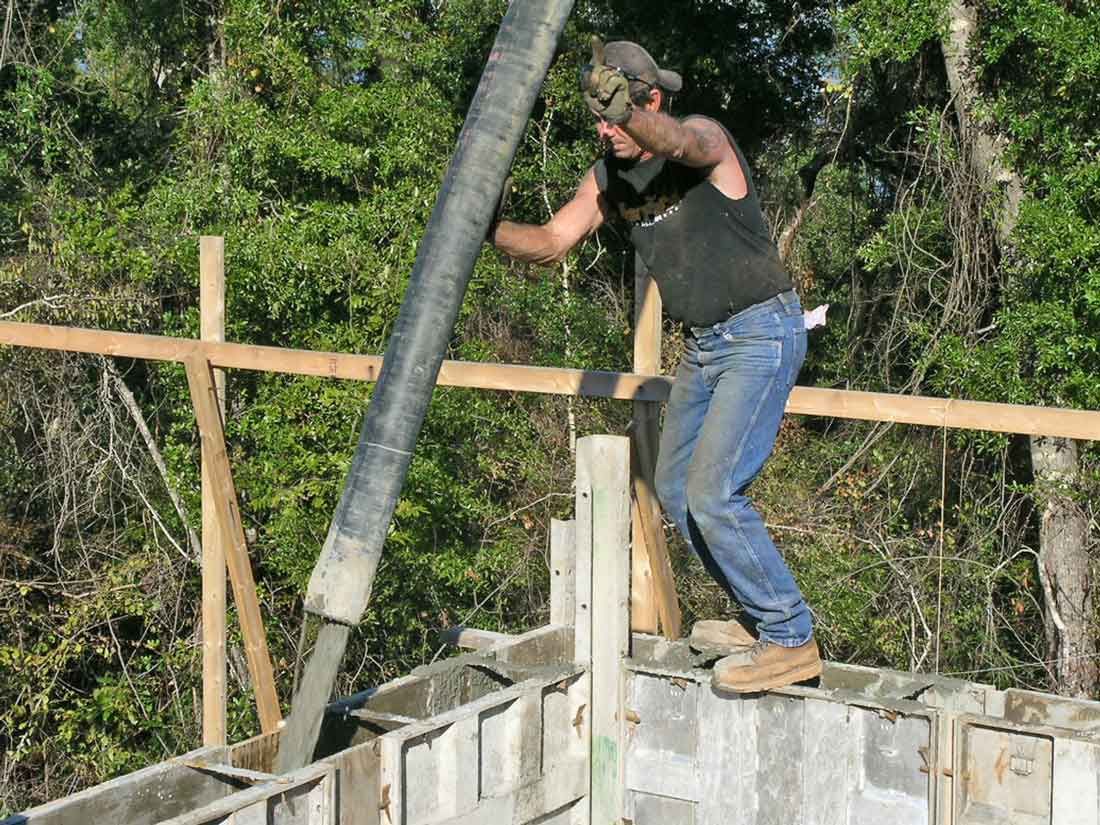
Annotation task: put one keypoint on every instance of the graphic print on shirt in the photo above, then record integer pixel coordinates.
(661, 193)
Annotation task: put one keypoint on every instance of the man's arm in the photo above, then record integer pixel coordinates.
(696, 142)
(551, 242)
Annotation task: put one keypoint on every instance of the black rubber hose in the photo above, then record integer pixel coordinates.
(340, 586)
(341, 582)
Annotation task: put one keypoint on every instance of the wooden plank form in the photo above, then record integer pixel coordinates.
(563, 572)
(212, 328)
(603, 489)
(224, 495)
(305, 797)
(156, 792)
(582, 621)
(472, 638)
(818, 401)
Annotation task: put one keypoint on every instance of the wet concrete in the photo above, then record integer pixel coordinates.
(304, 724)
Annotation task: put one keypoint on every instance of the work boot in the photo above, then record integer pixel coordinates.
(765, 666)
(720, 637)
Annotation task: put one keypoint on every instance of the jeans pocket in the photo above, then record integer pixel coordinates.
(768, 325)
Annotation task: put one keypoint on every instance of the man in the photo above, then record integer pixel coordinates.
(684, 188)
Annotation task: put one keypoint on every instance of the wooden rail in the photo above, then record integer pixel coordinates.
(866, 406)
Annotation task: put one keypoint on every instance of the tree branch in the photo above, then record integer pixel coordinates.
(154, 452)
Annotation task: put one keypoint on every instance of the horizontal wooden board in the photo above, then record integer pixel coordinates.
(818, 401)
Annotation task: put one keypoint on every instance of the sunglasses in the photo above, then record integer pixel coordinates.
(588, 68)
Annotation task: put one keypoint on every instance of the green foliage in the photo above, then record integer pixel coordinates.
(755, 66)
(935, 302)
(887, 30)
(1041, 65)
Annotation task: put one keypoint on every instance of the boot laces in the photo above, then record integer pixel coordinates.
(758, 647)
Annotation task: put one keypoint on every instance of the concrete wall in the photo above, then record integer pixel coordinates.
(867, 746)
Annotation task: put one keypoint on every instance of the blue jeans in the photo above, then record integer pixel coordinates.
(720, 427)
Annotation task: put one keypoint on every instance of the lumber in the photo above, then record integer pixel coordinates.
(563, 572)
(603, 491)
(647, 361)
(664, 583)
(1083, 425)
(203, 396)
(473, 638)
(653, 586)
(212, 328)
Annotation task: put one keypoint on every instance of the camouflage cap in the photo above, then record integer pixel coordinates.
(635, 61)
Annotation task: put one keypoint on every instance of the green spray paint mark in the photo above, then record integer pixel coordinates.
(605, 780)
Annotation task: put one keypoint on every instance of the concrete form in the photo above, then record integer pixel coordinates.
(579, 722)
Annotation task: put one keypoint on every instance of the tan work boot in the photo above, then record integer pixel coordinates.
(721, 637)
(765, 666)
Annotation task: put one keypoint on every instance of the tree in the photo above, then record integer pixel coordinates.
(1064, 561)
(1022, 127)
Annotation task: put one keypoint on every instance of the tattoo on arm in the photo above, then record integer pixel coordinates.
(705, 140)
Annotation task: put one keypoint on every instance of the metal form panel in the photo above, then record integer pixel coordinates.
(780, 758)
(891, 779)
(825, 790)
(866, 746)
(1005, 776)
(1076, 791)
(514, 756)
(1028, 774)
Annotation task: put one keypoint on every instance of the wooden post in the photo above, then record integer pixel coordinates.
(603, 541)
(212, 328)
(563, 571)
(224, 497)
(652, 587)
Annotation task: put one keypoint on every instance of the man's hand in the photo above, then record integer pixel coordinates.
(606, 89)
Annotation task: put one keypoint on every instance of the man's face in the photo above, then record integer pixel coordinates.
(622, 145)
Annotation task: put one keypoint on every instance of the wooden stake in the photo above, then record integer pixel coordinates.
(563, 572)
(647, 361)
(653, 588)
(224, 496)
(647, 507)
(212, 328)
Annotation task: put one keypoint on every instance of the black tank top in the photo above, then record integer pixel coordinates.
(711, 256)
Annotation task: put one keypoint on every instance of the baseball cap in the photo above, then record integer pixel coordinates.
(636, 61)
